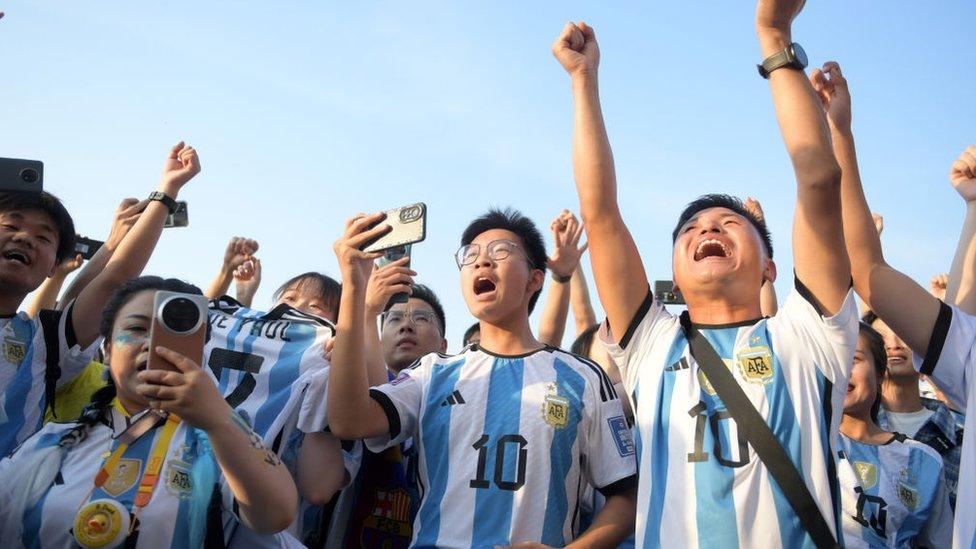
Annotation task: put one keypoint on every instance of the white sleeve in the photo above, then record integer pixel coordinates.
(633, 345)
(352, 459)
(312, 416)
(611, 466)
(401, 399)
(829, 340)
(937, 531)
(949, 360)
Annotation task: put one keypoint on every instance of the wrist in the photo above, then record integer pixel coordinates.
(772, 40)
(561, 278)
(584, 79)
(169, 188)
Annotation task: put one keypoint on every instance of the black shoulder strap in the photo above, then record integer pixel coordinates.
(214, 538)
(52, 371)
(754, 428)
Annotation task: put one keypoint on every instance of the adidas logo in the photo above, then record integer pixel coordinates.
(680, 365)
(455, 398)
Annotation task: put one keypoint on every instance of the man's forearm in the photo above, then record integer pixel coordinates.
(376, 369)
(592, 156)
(552, 325)
(348, 381)
(220, 284)
(583, 314)
(46, 296)
(961, 290)
(86, 274)
(612, 525)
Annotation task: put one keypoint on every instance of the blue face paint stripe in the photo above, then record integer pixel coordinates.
(570, 386)
(658, 440)
(15, 395)
(493, 505)
(435, 435)
(284, 373)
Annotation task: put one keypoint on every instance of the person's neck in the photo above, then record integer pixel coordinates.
(862, 428)
(131, 407)
(508, 337)
(722, 310)
(10, 302)
(901, 395)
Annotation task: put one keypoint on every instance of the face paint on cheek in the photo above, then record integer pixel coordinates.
(126, 339)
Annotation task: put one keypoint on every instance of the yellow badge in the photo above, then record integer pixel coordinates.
(14, 351)
(867, 473)
(103, 523)
(908, 495)
(756, 364)
(178, 479)
(122, 477)
(555, 409)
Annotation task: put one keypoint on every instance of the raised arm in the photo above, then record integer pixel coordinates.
(239, 250)
(352, 412)
(904, 305)
(384, 283)
(134, 251)
(566, 232)
(579, 301)
(961, 290)
(47, 295)
(819, 257)
(620, 277)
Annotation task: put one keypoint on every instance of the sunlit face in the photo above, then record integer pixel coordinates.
(302, 296)
(862, 388)
(899, 355)
(498, 289)
(720, 249)
(410, 331)
(127, 350)
(28, 249)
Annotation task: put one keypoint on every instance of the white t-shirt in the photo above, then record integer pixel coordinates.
(908, 423)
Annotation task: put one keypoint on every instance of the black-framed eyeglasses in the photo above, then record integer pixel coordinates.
(496, 250)
(417, 319)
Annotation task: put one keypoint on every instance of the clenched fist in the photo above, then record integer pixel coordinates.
(962, 175)
(576, 49)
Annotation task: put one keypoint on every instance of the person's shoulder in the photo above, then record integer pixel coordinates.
(588, 369)
(926, 452)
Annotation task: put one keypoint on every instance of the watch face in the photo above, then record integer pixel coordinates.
(801, 56)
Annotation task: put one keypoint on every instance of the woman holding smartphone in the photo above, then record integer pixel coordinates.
(158, 459)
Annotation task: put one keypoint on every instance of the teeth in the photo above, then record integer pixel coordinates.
(703, 243)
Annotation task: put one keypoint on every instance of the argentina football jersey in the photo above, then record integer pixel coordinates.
(506, 444)
(951, 363)
(894, 494)
(23, 365)
(701, 483)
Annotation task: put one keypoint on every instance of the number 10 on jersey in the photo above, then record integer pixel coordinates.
(504, 446)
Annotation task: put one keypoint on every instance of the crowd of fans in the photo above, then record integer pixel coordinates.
(339, 418)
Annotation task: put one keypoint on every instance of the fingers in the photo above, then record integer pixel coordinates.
(126, 204)
(134, 208)
(174, 153)
(155, 393)
(182, 363)
(365, 229)
(160, 377)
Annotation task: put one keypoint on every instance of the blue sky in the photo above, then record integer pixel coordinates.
(307, 112)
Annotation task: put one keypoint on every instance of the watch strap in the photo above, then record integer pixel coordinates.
(562, 279)
(165, 199)
(778, 60)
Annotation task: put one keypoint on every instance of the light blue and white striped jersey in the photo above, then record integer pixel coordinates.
(506, 444)
(164, 522)
(893, 495)
(950, 361)
(22, 369)
(701, 484)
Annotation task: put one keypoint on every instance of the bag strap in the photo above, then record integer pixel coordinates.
(52, 364)
(755, 429)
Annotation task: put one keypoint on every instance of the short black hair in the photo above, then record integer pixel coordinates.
(879, 355)
(325, 286)
(583, 344)
(124, 293)
(49, 204)
(425, 294)
(469, 333)
(707, 201)
(512, 220)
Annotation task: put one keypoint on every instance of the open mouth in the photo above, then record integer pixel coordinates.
(483, 286)
(17, 255)
(850, 387)
(711, 248)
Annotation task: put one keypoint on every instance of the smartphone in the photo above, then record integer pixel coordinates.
(87, 246)
(389, 256)
(179, 323)
(179, 218)
(666, 293)
(21, 175)
(409, 225)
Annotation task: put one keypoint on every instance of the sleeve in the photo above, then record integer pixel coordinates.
(830, 340)
(611, 465)
(628, 350)
(401, 400)
(312, 416)
(352, 459)
(71, 357)
(937, 531)
(949, 358)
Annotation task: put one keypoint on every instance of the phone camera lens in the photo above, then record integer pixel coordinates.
(410, 214)
(180, 315)
(29, 175)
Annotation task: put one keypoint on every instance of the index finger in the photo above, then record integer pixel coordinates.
(182, 363)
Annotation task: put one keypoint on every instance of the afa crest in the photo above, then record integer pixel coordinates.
(867, 474)
(555, 409)
(14, 351)
(908, 495)
(178, 480)
(756, 364)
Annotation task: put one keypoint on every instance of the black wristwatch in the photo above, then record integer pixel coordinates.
(162, 197)
(792, 57)
(562, 279)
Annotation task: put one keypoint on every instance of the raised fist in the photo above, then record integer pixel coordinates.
(180, 167)
(962, 175)
(239, 250)
(835, 96)
(938, 285)
(777, 14)
(576, 49)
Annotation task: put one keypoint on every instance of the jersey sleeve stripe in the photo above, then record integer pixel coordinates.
(607, 392)
(939, 333)
(619, 487)
(638, 316)
(392, 416)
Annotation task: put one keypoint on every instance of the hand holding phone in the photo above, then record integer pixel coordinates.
(389, 256)
(408, 225)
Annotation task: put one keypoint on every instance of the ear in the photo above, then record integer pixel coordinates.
(443, 347)
(106, 351)
(536, 279)
(769, 271)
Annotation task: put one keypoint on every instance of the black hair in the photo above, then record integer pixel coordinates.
(124, 293)
(49, 204)
(327, 288)
(707, 201)
(469, 333)
(876, 348)
(581, 347)
(425, 294)
(512, 220)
